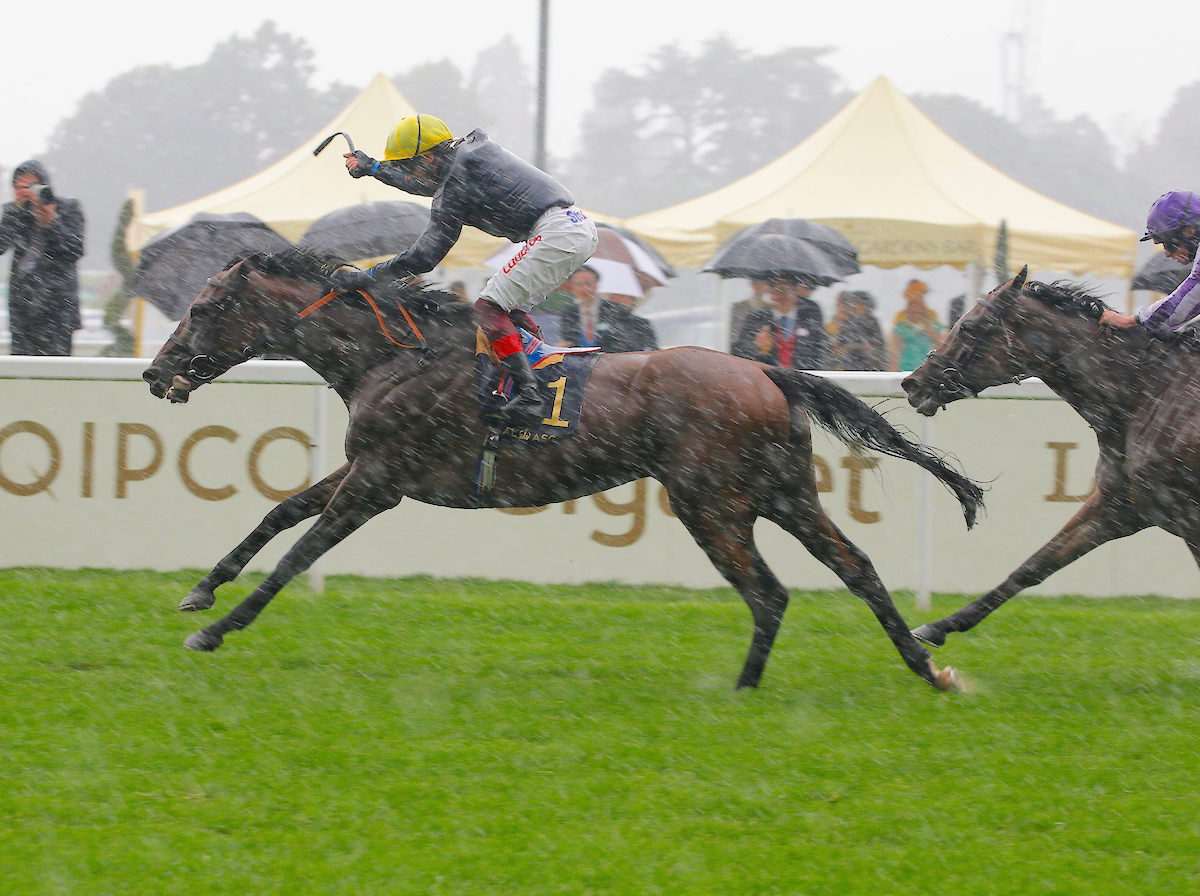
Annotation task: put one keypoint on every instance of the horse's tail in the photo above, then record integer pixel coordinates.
(857, 425)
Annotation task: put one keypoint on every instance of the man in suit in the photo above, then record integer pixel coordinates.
(790, 333)
(593, 320)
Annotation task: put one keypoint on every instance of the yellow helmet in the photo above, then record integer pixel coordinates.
(415, 135)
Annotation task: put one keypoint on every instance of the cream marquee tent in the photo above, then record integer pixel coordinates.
(293, 192)
(903, 192)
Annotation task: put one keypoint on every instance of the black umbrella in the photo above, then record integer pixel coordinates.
(367, 230)
(840, 251)
(1160, 274)
(176, 263)
(775, 255)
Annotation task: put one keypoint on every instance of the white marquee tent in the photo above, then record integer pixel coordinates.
(903, 191)
(296, 190)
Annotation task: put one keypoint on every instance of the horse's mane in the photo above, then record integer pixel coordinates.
(1077, 299)
(1070, 296)
(297, 263)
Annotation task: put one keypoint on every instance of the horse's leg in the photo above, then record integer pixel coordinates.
(1194, 546)
(728, 540)
(1089, 528)
(803, 517)
(364, 493)
(289, 513)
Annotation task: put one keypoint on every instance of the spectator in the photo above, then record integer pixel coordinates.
(760, 292)
(857, 338)
(459, 289)
(593, 320)
(45, 233)
(916, 330)
(790, 333)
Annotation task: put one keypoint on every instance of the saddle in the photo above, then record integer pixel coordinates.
(562, 375)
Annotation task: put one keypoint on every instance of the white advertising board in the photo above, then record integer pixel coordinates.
(95, 472)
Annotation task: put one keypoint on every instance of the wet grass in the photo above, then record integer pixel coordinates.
(456, 737)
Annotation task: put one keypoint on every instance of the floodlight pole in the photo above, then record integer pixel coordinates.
(539, 137)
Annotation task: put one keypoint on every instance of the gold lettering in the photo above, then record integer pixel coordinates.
(637, 507)
(124, 472)
(522, 511)
(664, 502)
(856, 465)
(1059, 494)
(185, 454)
(42, 482)
(560, 389)
(89, 458)
(274, 435)
(824, 474)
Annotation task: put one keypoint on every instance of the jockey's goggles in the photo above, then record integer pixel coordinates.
(1174, 239)
(1169, 241)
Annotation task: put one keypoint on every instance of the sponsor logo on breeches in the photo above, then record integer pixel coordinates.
(525, 251)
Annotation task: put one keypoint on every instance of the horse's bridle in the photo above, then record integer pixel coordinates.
(204, 366)
(946, 377)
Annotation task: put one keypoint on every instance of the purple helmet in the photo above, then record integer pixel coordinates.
(1172, 211)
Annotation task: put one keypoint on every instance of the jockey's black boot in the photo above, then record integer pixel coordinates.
(526, 406)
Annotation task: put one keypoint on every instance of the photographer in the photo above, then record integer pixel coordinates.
(45, 233)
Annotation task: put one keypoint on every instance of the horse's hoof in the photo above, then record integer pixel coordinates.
(203, 641)
(929, 636)
(948, 679)
(197, 599)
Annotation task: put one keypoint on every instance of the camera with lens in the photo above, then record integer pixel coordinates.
(42, 194)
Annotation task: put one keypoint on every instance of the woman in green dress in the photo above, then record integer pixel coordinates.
(916, 331)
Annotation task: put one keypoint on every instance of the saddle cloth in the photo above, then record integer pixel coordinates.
(562, 375)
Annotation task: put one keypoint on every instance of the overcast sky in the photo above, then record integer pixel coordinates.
(1109, 59)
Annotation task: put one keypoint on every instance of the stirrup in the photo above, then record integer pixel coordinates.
(525, 407)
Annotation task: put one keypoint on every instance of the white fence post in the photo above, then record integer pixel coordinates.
(319, 459)
(925, 526)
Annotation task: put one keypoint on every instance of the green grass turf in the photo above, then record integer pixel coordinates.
(464, 737)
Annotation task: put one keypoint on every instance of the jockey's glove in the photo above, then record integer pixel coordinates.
(366, 164)
(352, 279)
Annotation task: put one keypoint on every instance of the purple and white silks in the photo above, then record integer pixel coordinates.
(1177, 309)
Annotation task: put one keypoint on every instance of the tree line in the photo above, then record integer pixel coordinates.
(686, 123)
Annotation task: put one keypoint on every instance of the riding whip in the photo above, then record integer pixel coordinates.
(329, 139)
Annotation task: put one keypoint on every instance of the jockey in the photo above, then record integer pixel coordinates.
(1174, 222)
(473, 181)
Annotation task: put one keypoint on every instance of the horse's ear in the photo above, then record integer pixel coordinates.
(1019, 280)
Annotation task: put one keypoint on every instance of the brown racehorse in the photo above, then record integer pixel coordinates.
(728, 438)
(1137, 393)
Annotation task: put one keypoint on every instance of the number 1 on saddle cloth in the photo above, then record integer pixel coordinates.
(562, 374)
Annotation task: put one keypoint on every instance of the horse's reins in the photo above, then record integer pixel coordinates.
(948, 379)
(204, 366)
(422, 344)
